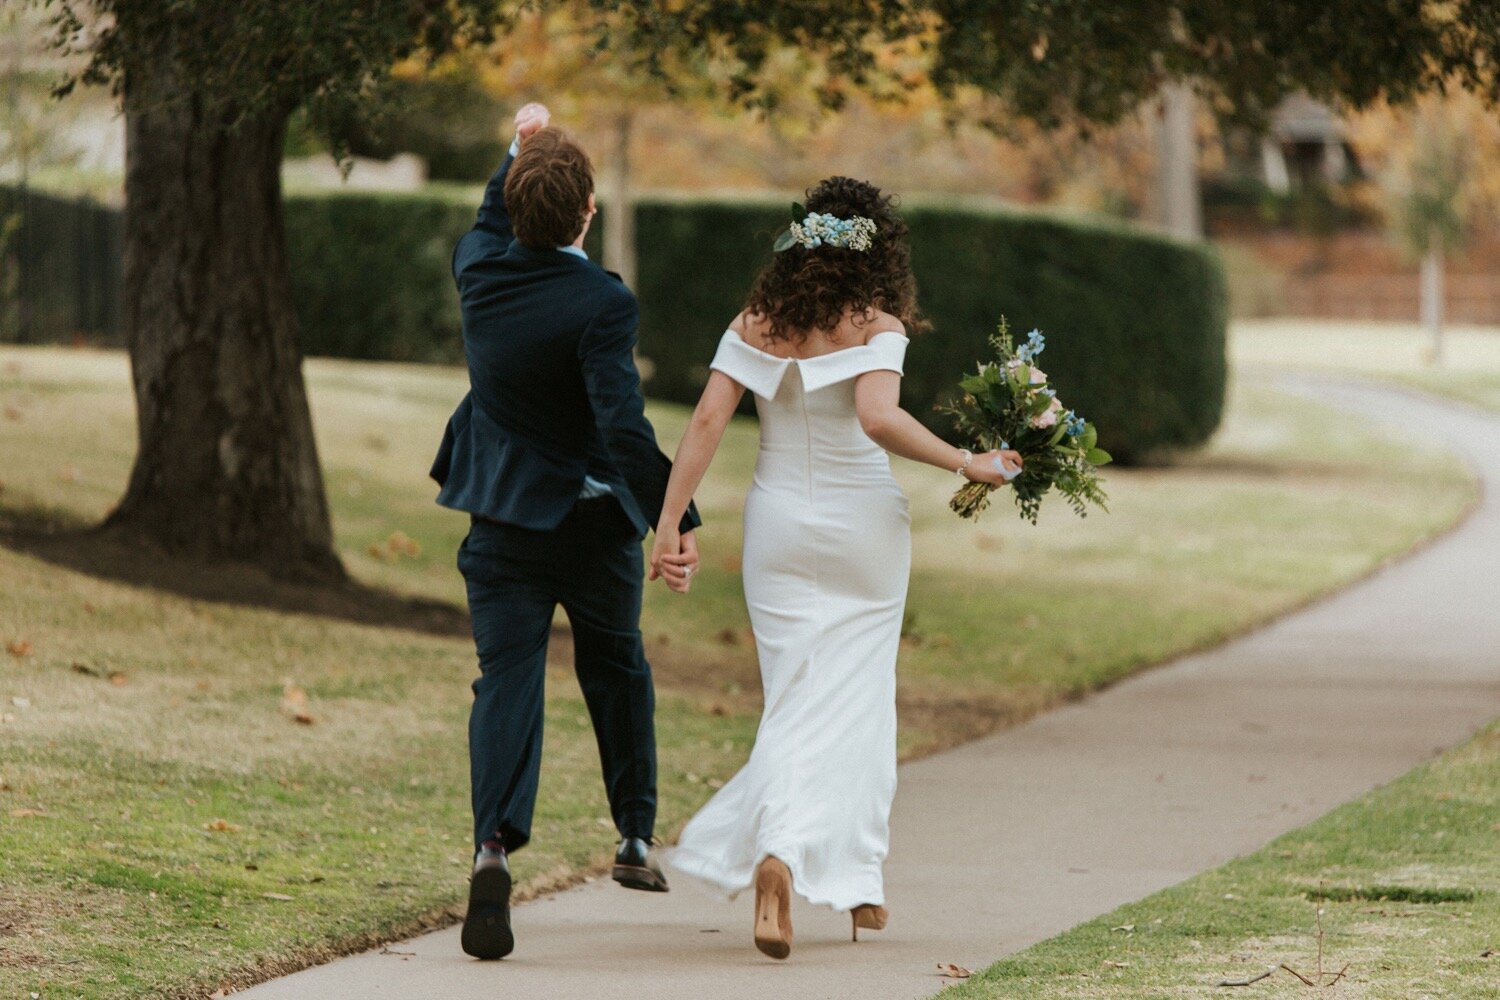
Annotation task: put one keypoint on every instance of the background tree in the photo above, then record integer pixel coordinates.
(227, 465)
(1430, 214)
(1439, 161)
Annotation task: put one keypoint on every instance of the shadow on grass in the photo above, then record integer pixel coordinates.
(61, 538)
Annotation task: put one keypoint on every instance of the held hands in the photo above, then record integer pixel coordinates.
(986, 467)
(530, 119)
(674, 558)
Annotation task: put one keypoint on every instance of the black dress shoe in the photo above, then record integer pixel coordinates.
(487, 923)
(636, 866)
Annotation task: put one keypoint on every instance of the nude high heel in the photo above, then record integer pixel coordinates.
(870, 917)
(773, 908)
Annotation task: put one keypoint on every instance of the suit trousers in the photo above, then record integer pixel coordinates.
(592, 565)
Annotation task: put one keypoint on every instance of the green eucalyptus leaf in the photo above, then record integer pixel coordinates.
(1090, 437)
(1098, 456)
(784, 242)
(798, 212)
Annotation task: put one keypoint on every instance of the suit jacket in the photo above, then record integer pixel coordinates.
(554, 393)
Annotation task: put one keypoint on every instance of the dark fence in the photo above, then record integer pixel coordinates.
(60, 267)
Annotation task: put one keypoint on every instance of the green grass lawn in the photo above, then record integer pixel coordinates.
(132, 721)
(1407, 878)
(1469, 370)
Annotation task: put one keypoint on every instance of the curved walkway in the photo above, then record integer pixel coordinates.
(1017, 837)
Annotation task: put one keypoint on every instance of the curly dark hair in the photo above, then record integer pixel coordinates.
(811, 289)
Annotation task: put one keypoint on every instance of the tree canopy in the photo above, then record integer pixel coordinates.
(227, 465)
(1044, 60)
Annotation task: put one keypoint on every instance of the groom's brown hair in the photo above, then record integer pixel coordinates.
(547, 190)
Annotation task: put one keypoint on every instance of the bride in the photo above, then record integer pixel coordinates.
(827, 552)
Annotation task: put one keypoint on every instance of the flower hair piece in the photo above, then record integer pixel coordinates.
(821, 230)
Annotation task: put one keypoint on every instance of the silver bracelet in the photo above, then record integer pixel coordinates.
(968, 457)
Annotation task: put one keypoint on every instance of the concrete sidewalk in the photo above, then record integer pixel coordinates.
(1014, 838)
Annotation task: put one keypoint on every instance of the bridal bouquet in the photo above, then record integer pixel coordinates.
(1008, 404)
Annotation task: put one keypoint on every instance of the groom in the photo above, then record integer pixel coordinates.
(552, 456)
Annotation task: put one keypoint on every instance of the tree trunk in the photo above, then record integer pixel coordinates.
(1177, 142)
(1432, 297)
(227, 467)
(619, 224)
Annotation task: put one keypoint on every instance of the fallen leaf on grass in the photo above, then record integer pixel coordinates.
(403, 544)
(14, 413)
(294, 703)
(27, 813)
(20, 702)
(393, 548)
(221, 826)
(1489, 953)
(1116, 965)
(953, 971)
(19, 647)
(86, 670)
(117, 678)
(729, 637)
(1127, 928)
(278, 896)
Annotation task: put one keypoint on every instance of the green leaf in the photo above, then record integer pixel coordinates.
(1098, 456)
(974, 384)
(798, 212)
(1089, 438)
(1057, 433)
(784, 242)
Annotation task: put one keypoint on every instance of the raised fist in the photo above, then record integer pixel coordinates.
(530, 118)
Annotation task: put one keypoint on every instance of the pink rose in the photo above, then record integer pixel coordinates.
(1047, 418)
(1038, 376)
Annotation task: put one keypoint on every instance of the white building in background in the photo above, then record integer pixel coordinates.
(1306, 144)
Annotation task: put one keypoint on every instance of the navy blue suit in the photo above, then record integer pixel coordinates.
(554, 396)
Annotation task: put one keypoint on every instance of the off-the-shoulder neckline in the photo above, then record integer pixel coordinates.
(817, 357)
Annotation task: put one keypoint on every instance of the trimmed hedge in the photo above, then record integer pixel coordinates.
(372, 273)
(1135, 321)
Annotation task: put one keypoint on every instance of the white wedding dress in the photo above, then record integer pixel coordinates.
(826, 559)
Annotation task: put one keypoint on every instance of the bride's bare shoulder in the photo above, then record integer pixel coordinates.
(858, 328)
(751, 327)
